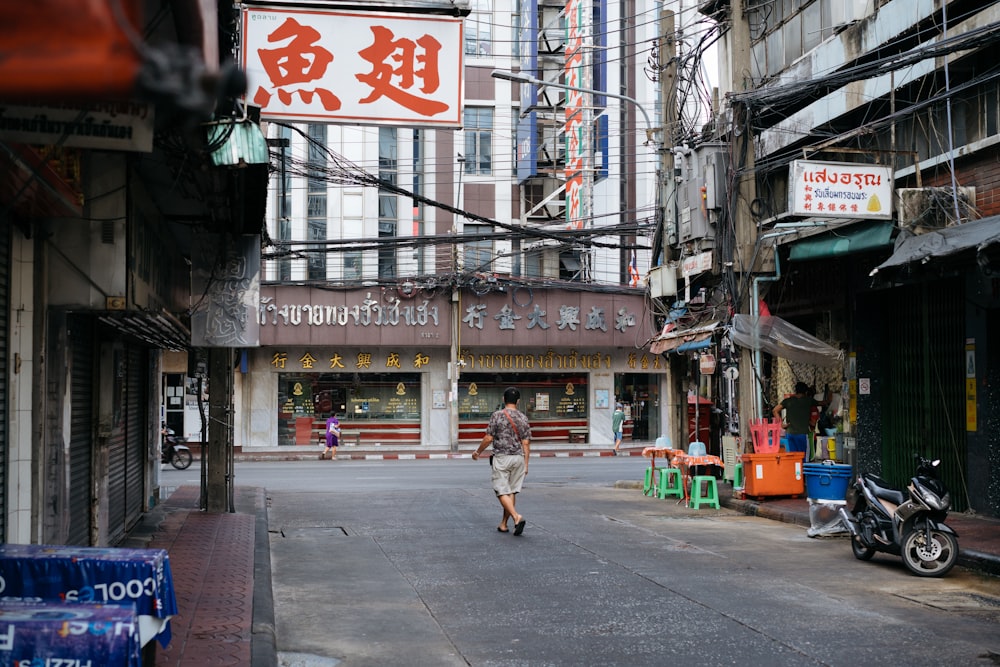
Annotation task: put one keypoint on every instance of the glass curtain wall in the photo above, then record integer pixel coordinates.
(316, 203)
(388, 201)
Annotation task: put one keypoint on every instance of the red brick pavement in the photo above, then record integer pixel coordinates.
(212, 563)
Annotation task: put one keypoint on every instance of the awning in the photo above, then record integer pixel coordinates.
(688, 339)
(776, 336)
(845, 240)
(978, 235)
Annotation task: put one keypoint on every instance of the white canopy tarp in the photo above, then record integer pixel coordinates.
(776, 336)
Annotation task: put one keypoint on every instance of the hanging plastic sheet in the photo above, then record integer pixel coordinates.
(775, 336)
(919, 249)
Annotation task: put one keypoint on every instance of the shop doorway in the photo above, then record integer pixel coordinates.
(639, 393)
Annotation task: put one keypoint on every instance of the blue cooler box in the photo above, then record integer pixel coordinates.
(826, 481)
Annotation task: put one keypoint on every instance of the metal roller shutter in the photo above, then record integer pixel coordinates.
(81, 443)
(924, 406)
(4, 292)
(136, 392)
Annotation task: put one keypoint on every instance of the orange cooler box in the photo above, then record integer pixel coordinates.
(777, 474)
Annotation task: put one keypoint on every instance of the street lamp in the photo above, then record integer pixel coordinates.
(520, 77)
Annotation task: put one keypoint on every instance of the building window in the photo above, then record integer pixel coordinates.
(570, 265)
(316, 231)
(479, 141)
(382, 404)
(352, 265)
(478, 252)
(418, 189)
(479, 29)
(284, 226)
(388, 201)
(515, 119)
(316, 225)
(534, 261)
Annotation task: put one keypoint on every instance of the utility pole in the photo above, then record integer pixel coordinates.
(455, 369)
(217, 459)
(676, 398)
(745, 226)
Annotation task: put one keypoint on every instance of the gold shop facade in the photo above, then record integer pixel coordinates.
(414, 371)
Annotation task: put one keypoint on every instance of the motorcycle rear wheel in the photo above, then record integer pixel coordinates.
(181, 459)
(929, 559)
(861, 552)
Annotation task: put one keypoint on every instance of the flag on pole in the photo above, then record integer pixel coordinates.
(633, 272)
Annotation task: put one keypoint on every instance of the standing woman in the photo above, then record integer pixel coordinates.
(510, 435)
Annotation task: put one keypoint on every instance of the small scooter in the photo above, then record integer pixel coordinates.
(909, 524)
(173, 451)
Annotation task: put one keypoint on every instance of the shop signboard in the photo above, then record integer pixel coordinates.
(579, 165)
(311, 64)
(305, 316)
(840, 190)
(706, 364)
(695, 264)
(112, 126)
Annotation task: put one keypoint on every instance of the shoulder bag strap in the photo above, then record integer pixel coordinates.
(513, 426)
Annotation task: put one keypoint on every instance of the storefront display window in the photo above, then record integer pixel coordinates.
(359, 400)
(559, 396)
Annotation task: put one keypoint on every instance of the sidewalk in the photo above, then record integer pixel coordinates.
(222, 569)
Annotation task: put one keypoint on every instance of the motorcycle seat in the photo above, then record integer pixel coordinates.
(882, 489)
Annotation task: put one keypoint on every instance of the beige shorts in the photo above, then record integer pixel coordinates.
(508, 473)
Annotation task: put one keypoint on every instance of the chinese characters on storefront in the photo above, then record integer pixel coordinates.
(370, 312)
(549, 360)
(339, 65)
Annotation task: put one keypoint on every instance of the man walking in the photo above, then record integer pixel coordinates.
(617, 419)
(510, 435)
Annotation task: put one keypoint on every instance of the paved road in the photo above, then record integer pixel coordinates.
(383, 563)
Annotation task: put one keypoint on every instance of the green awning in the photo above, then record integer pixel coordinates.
(856, 237)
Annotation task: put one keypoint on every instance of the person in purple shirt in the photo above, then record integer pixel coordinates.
(332, 436)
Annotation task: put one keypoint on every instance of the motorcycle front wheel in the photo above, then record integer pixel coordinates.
(929, 558)
(181, 459)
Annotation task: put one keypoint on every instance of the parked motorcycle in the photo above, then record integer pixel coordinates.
(173, 451)
(906, 523)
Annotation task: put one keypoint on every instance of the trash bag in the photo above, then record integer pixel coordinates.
(825, 519)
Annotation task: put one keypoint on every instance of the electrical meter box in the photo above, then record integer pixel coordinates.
(702, 193)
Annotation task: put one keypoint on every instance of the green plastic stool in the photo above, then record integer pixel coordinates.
(738, 476)
(709, 497)
(670, 483)
(647, 486)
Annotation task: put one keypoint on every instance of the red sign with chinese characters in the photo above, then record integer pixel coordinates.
(363, 67)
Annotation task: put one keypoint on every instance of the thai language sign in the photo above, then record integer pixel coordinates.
(117, 126)
(840, 190)
(308, 316)
(305, 64)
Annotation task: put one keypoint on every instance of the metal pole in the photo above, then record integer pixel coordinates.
(456, 315)
(524, 78)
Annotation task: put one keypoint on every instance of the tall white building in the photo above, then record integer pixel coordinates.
(329, 221)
